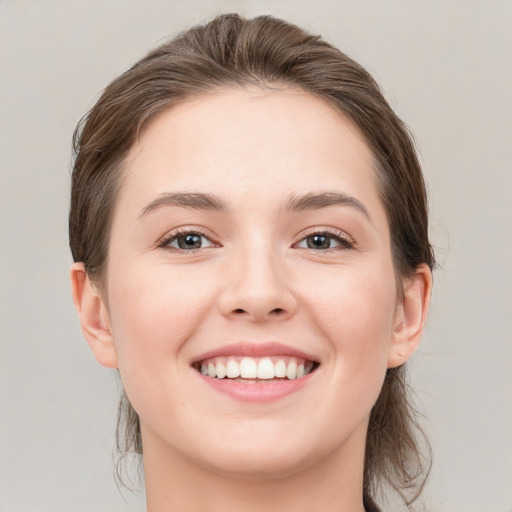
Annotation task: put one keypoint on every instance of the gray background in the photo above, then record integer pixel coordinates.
(445, 67)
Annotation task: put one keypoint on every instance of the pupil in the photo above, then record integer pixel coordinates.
(189, 242)
(318, 242)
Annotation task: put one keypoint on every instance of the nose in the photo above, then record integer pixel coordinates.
(256, 289)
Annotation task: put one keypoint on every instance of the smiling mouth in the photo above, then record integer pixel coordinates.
(255, 369)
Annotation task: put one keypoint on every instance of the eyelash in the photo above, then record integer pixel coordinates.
(167, 240)
(345, 241)
(340, 237)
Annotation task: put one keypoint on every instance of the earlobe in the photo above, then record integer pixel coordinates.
(93, 317)
(411, 316)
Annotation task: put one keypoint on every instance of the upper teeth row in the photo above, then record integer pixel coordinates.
(249, 368)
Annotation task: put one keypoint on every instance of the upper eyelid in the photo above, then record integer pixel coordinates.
(176, 232)
(313, 230)
(334, 232)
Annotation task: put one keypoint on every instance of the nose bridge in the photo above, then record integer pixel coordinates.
(257, 288)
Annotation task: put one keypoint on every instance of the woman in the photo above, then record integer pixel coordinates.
(249, 229)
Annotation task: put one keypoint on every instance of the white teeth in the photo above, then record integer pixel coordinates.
(232, 369)
(266, 369)
(291, 371)
(248, 368)
(280, 369)
(221, 370)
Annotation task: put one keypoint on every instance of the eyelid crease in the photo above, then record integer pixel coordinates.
(332, 232)
(344, 238)
(163, 242)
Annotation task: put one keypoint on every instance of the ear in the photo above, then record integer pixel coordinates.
(410, 317)
(93, 317)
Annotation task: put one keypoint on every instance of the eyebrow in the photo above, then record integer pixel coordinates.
(191, 200)
(316, 201)
(202, 201)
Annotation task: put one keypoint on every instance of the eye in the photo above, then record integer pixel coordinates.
(325, 240)
(187, 241)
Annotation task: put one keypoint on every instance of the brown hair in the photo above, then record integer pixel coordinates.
(266, 52)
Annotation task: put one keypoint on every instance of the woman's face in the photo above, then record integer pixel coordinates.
(249, 237)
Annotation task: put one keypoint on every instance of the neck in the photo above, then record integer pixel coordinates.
(176, 483)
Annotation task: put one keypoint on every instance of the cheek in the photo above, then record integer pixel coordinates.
(354, 310)
(154, 310)
(359, 301)
(360, 334)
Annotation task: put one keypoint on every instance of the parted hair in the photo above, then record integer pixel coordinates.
(228, 52)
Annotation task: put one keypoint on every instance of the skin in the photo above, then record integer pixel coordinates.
(254, 279)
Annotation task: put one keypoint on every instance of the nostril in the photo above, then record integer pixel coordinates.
(275, 311)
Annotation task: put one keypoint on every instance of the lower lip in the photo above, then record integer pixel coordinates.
(258, 391)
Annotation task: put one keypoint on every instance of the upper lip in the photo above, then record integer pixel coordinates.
(247, 349)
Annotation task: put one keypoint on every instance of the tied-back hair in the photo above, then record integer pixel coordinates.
(265, 52)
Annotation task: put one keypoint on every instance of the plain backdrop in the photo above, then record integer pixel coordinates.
(445, 66)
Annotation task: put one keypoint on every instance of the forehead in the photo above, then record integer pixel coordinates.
(249, 142)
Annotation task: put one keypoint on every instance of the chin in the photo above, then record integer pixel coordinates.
(265, 456)
(265, 465)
